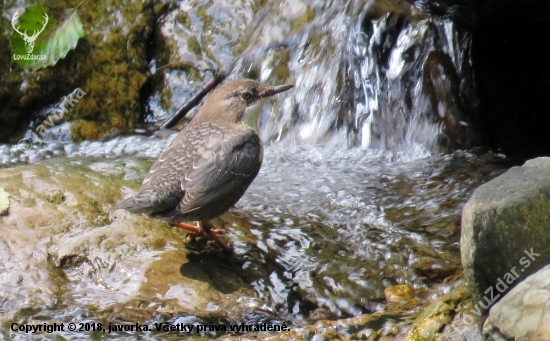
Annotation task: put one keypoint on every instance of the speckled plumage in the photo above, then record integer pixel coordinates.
(210, 163)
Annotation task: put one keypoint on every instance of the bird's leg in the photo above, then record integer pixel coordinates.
(218, 231)
(187, 227)
(195, 229)
(206, 228)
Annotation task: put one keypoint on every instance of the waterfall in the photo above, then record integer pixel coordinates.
(397, 82)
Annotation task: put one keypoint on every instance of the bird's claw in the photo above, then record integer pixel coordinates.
(192, 237)
(204, 231)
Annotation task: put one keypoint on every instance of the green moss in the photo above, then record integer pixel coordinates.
(279, 61)
(437, 315)
(117, 121)
(110, 64)
(206, 19)
(194, 46)
(303, 20)
(56, 197)
(183, 18)
(258, 4)
(87, 130)
(195, 75)
(206, 42)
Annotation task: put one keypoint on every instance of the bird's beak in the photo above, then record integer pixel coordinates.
(272, 90)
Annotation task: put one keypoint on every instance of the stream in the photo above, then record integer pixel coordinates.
(319, 234)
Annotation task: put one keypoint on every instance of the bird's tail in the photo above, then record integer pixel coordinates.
(129, 205)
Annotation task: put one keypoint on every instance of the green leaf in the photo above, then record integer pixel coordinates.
(52, 39)
(4, 201)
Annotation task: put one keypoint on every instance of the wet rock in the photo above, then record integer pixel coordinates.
(380, 8)
(402, 294)
(521, 314)
(441, 85)
(461, 328)
(438, 314)
(505, 233)
(62, 243)
(425, 80)
(433, 265)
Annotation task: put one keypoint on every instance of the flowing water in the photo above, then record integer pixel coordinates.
(353, 196)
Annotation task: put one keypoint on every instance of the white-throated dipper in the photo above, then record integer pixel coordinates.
(210, 164)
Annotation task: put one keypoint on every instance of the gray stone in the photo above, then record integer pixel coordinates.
(505, 231)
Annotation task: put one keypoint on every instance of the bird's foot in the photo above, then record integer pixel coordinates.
(204, 229)
(194, 232)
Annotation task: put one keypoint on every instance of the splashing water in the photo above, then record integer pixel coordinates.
(362, 82)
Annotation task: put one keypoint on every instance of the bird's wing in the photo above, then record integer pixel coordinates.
(161, 190)
(222, 170)
(166, 193)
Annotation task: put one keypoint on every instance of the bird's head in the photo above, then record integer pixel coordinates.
(232, 101)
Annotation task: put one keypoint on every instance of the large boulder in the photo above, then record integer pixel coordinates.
(506, 232)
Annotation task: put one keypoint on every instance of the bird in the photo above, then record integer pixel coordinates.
(210, 164)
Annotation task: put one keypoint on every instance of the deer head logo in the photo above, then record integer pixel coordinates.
(29, 40)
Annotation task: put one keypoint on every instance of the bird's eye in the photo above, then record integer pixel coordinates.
(246, 96)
